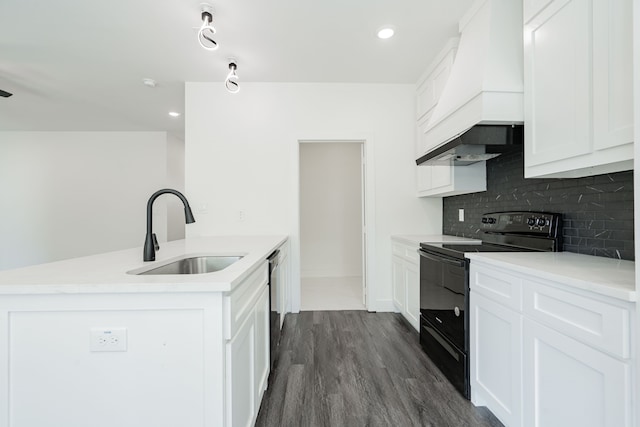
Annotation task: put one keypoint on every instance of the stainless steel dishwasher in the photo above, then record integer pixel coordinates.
(274, 301)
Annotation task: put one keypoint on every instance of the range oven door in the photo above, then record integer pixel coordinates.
(444, 296)
(451, 361)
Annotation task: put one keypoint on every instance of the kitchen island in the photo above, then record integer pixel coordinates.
(87, 343)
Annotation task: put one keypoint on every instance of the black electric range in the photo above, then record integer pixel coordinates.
(444, 283)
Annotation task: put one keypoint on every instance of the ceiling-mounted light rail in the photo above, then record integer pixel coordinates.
(207, 31)
(231, 83)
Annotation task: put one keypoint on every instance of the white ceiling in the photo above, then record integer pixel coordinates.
(79, 65)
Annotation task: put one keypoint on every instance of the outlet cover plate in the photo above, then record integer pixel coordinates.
(108, 339)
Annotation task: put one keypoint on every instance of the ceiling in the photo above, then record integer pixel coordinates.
(78, 65)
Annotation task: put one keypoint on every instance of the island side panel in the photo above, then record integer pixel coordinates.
(170, 372)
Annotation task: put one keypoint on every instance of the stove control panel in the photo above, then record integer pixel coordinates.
(532, 223)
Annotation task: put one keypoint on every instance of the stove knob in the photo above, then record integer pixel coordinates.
(456, 311)
(492, 220)
(531, 221)
(541, 222)
(485, 220)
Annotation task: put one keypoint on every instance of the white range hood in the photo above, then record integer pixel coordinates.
(486, 82)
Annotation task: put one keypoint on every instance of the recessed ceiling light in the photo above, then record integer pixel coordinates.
(174, 114)
(149, 82)
(385, 32)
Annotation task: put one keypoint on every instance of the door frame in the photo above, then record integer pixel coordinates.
(368, 214)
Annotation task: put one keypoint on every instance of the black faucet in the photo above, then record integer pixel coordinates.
(150, 241)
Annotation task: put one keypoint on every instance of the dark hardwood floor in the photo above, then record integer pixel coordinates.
(354, 368)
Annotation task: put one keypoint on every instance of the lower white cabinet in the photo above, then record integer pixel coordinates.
(568, 383)
(496, 361)
(285, 288)
(398, 287)
(247, 349)
(247, 363)
(405, 281)
(545, 354)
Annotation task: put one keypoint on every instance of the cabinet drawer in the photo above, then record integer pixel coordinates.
(239, 303)
(405, 252)
(496, 285)
(597, 323)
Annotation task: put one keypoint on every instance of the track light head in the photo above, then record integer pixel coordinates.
(207, 31)
(231, 83)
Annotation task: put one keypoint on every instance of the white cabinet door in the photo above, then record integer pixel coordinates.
(397, 283)
(612, 73)
(284, 283)
(532, 7)
(241, 378)
(567, 383)
(496, 359)
(445, 180)
(412, 286)
(578, 87)
(262, 346)
(557, 82)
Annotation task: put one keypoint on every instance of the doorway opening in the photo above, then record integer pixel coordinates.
(332, 231)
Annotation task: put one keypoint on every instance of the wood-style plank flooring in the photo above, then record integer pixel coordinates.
(354, 368)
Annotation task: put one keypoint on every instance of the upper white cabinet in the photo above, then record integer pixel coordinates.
(578, 87)
(446, 180)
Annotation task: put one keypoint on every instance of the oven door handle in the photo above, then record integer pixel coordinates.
(455, 263)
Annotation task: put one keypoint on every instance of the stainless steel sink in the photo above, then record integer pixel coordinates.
(194, 265)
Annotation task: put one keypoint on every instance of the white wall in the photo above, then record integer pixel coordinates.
(242, 155)
(70, 194)
(175, 180)
(330, 210)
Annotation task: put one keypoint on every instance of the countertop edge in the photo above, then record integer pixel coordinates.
(608, 290)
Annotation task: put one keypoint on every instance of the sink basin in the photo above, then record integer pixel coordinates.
(194, 265)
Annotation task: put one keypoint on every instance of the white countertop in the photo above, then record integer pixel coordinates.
(416, 239)
(108, 272)
(606, 276)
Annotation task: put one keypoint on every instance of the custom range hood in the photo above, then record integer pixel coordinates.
(481, 109)
(480, 143)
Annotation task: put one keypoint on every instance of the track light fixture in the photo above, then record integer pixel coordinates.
(231, 82)
(206, 31)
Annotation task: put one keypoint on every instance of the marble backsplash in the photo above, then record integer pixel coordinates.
(597, 210)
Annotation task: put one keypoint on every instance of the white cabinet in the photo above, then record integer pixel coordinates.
(405, 281)
(412, 286)
(566, 382)
(398, 284)
(495, 340)
(240, 357)
(262, 351)
(578, 87)
(545, 354)
(285, 288)
(446, 180)
(247, 349)
(496, 343)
